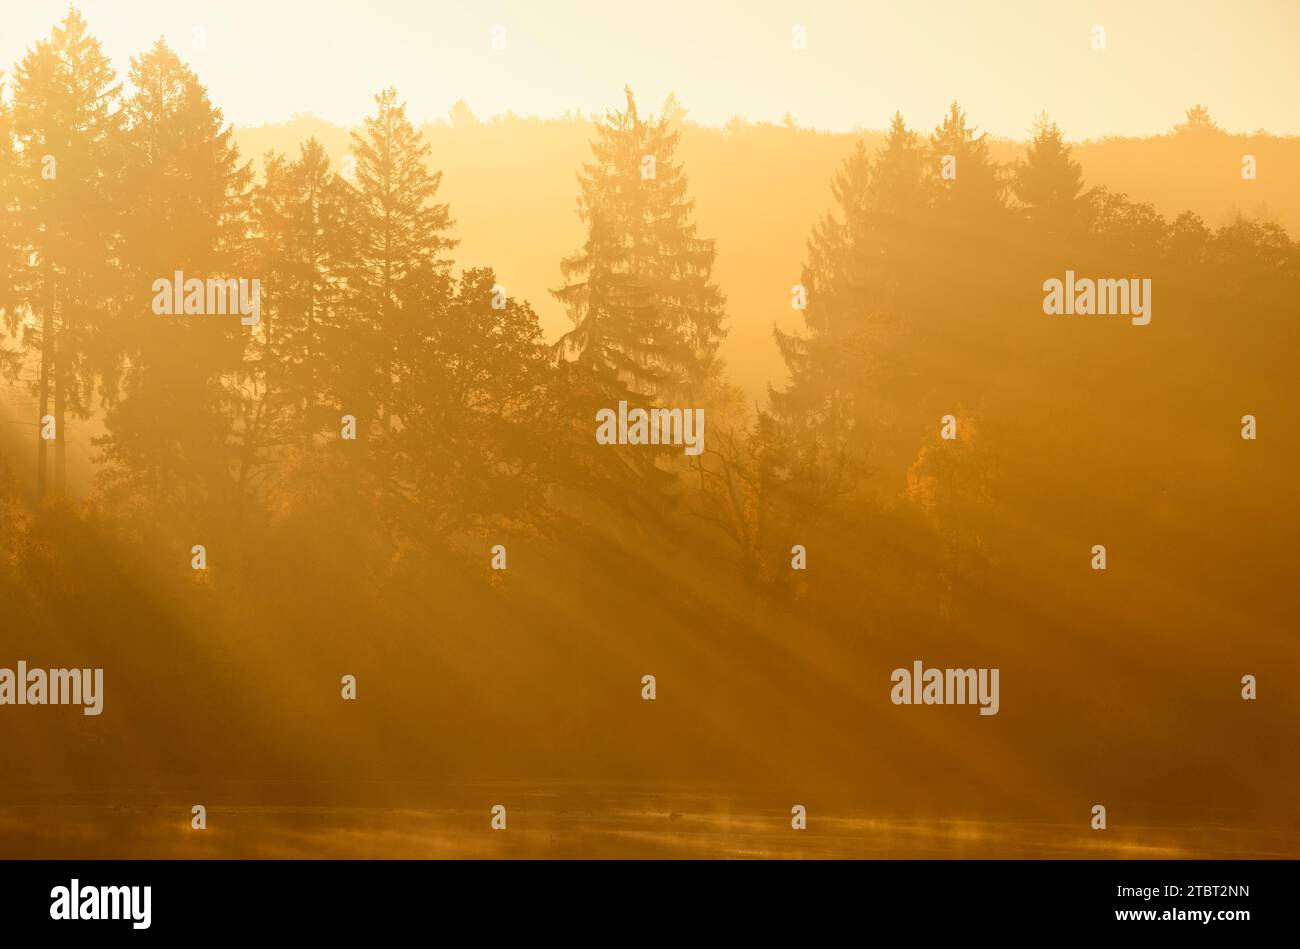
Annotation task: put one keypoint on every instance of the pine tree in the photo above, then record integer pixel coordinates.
(836, 311)
(302, 248)
(647, 314)
(848, 374)
(10, 258)
(461, 116)
(1197, 121)
(1048, 183)
(399, 279)
(171, 407)
(66, 124)
(974, 246)
(673, 111)
(975, 195)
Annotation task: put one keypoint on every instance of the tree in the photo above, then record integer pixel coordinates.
(1048, 183)
(973, 245)
(974, 195)
(171, 406)
(744, 477)
(816, 406)
(398, 279)
(647, 314)
(673, 110)
(10, 258)
(478, 424)
(849, 377)
(461, 116)
(1197, 121)
(952, 482)
(66, 124)
(302, 245)
(893, 229)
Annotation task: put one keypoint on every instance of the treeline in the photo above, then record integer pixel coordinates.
(363, 316)
(761, 188)
(922, 298)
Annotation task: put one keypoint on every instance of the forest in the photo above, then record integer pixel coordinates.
(366, 547)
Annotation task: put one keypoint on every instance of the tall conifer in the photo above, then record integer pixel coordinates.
(171, 408)
(66, 123)
(399, 277)
(647, 313)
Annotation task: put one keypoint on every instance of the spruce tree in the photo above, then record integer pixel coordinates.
(647, 313)
(836, 289)
(972, 198)
(1048, 184)
(975, 253)
(66, 125)
(399, 278)
(172, 405)
(849, 378)
(301, 246)
(10, 256)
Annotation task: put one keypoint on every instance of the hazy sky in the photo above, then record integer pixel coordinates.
(1004, 60)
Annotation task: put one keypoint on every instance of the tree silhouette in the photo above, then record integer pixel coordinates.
(11, 313)
(1048, 183)
(478, 424)
(170, 408)
(66, 126)
(866, 296)
(1197, 121)
(976, 191)
(646, 312)
(398, 277)
(303, 245)
(924, 300)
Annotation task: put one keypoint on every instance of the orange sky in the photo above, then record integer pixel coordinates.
(1005, 61)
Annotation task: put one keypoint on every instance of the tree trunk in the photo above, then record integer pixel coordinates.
(47, 361)
(45, 408)
(60, 432)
